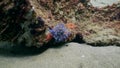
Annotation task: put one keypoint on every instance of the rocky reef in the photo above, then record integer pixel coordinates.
(40, 22)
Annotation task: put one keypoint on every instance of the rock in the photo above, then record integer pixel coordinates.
(18, 17)
(103, 37)
(16, 20)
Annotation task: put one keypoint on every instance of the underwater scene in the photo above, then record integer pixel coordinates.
(59, 33)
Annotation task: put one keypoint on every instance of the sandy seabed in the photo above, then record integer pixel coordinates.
(73, 55)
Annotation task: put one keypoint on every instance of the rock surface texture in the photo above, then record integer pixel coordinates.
(28, 22)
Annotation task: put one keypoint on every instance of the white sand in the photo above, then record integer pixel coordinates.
(72, 56)
(103, 3)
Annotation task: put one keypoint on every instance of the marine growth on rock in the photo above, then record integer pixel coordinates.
(60, 33)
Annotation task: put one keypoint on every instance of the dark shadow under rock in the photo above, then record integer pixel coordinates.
(7, 49)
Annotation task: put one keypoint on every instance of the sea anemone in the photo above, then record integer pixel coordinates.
(60, 33)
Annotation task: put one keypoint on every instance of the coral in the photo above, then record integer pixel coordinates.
(60, 33)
